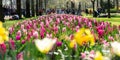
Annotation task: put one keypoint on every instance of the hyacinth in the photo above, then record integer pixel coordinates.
(3, 34)
(84, 36)
(45, 45)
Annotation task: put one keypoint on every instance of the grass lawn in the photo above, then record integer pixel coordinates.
(9, 23)
(114, 20)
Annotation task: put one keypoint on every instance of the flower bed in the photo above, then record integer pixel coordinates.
(63, 37)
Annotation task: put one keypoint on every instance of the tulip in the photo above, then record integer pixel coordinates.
(64, 29)
(20, 56)
(83, 55)
(19, 33)
(3, 48)
(100, 32)
(22, 26)
(35, 34)
(58, 43)
(45, 45)
(116, 48)
(23, 41)
(98, 56)
(12, 44)
(18, 37)
(110, 38)
(11, 29)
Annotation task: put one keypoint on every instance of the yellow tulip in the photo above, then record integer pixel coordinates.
(98, 56)
(84, 36)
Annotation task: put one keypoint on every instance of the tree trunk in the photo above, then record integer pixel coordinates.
(97, 4)
(19, 8)
(109, 9)
(1, 12)
(45, 5)
(37, 8)
(117, 5)
(33, 9)
(27, 8)
(101, 3)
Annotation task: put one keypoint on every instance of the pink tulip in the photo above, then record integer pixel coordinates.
(100, 32)
(18, 37)
(11, 29)
(35, 34)
(42, 34)
(105, 43)
(12, 44)
(27, 27)
(49, 35)
(111, 38)
(19, 33)
(83, 55)
(3, 48)
(22, 27)
(20, 56)
(64, 29)
(23, 41)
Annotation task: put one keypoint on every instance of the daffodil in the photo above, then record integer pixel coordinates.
(45, 45)
(3, 34)
(84, 36)
(98, 56)
(72, 43)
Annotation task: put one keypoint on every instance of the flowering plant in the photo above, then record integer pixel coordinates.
(63, 37)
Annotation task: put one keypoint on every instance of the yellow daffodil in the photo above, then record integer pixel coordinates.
(3, 34)
(84, 36)
(72, 43)
(45, 45)
(98, 56)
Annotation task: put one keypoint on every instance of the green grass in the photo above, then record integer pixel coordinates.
(114, 20)
(9, 23)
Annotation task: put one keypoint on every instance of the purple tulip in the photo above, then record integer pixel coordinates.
(18, 37)
(58, 43)
(100, 32)
(3, 48)
(23, 41)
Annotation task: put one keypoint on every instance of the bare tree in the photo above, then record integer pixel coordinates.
(27, 8)
(19, 8)
(37, 8)
(1, 12)
(32, 8)
(108, 9)
(117, 4)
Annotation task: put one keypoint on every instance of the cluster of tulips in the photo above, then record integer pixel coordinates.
(62, 37)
